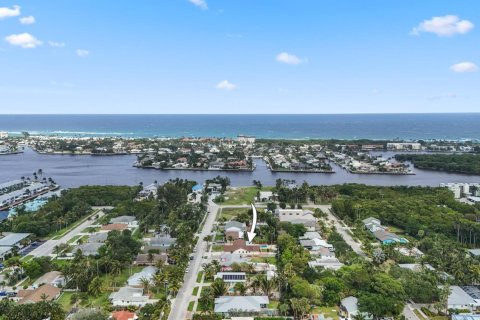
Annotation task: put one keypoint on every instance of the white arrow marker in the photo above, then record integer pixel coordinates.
(252, 233)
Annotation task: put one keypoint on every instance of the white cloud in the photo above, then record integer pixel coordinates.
(55, 44)
(82, 53)
(226, 85)
(200, 3)
(288, 58)
(464, 67)
(6, 12)
(24, 40)
(448, 25)
(27, 20)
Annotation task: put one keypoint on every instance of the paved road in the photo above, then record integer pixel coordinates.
(47, 248)
(180, 304)
(408, 313)
(343, 231)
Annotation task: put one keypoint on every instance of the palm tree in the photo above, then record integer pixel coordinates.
(240, 288)
(219, 288)
(145, 284)
(255, 283)
(267, 285)
(95, 286)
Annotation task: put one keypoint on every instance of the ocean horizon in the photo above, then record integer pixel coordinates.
(375, 126)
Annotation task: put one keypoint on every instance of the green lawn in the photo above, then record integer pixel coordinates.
(190, 305)
(273, 304)
(217, 248)
(328, 312)
(270, 260)
(231, 213)
(199, 276)
(195, 291)
(64, 300)
(244, 195)
(78, 236)
(120, 279)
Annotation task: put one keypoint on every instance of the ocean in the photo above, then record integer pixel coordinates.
(451, 126)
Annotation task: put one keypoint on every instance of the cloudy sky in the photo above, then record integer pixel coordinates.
(233, 56)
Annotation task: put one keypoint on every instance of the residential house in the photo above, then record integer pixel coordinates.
(148, 273)
(460, 299)
(14, 239)
(380, 232)
(297, 216)
(123, 315)
(145, 259)
(251, 304)
(128, 296)
(232, 277)
(54, 278)
(89, 248)
(114, 226)
(99, 237)
(265, 196)
(227, 259)
(36, 295)
(161, 242)
(416, 267)
(465, 316)
(130, 221)
(234, 230)
(240, 246)
(349, 308)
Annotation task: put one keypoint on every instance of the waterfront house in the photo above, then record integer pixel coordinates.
(236, 304)
(265, 196)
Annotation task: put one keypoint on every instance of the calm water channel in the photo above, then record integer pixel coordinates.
(73, 171)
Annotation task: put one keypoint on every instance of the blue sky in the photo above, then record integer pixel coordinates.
(233, 56)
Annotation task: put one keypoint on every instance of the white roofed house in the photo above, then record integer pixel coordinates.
(130, 221)
(298, 216)
(89, 248)
(128, 296)
(265, 196)
(232, 305)
(148, 273)
(14, 239)
(161, 243)
(461, 299)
